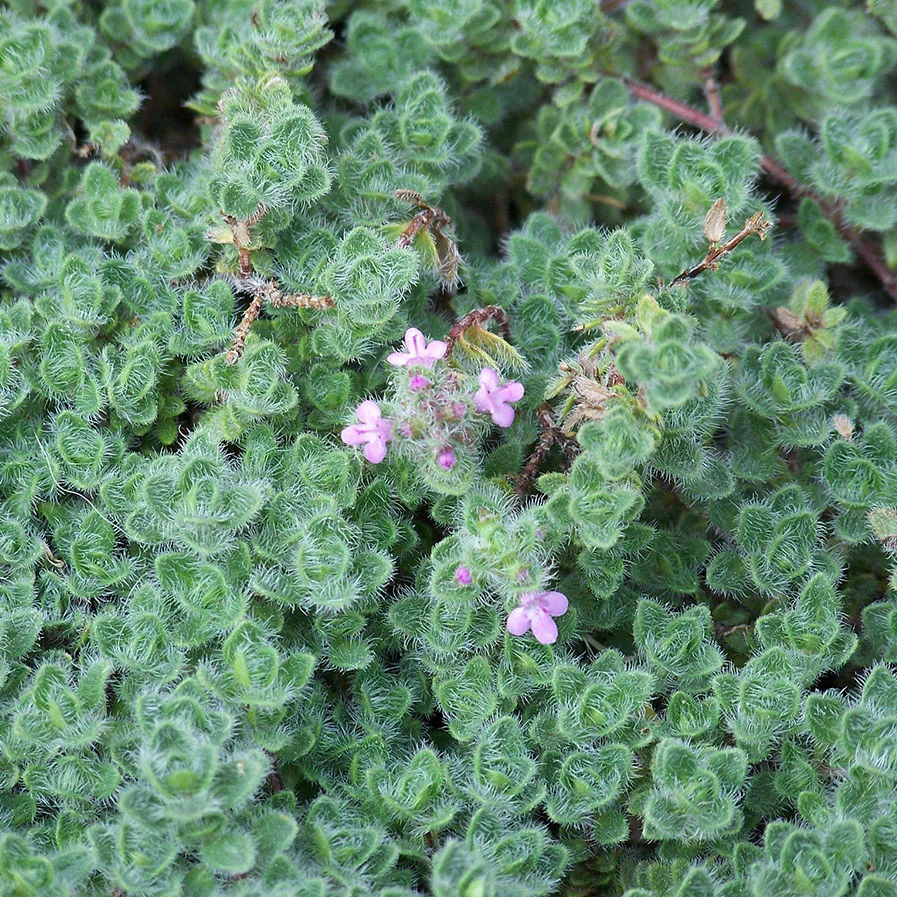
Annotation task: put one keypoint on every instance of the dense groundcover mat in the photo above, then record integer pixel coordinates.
(448, 448)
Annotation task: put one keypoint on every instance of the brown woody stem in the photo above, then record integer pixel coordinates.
(235, 353)
(551, 434)
(296, 300)
(868, 252)
(754, 225)
(477, 318)
(266, 291)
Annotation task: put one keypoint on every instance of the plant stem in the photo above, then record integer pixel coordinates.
(868, 252)
(754, 225)
(711, 91)
(551, 434)
(610, 6)
(235, 353)
(477, 317)
(675, 107)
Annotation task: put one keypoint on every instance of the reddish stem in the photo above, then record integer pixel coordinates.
(869, 253)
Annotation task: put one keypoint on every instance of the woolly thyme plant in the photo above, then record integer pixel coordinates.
(448, 448)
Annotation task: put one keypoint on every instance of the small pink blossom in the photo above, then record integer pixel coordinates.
(463, 575)
(446, 459)
(418, 351)
(373, 432)
(536, 611)
(417, 383)
(495, 399)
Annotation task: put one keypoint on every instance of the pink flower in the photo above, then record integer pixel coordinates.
(373, 432)
(491, 398)
(417, 383)
(536, 611)
(463, 575)
(446, 459)
(417, 350)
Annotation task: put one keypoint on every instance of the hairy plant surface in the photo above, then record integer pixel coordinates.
(448, 448)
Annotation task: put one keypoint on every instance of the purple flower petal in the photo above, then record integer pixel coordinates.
(554, 603)
(511, 392)
(518, 621)
(446, 459)
(375, 451)
(494, 399)
(538, 608)
(503, 415)
(354, 435)
(373, 432)
(415, 342)
(368, 412)
(544, 628)
(417, 350)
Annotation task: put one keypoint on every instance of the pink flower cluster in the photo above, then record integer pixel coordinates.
(493, 397)
(373, 432)
(536, 612)
(418, 352)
